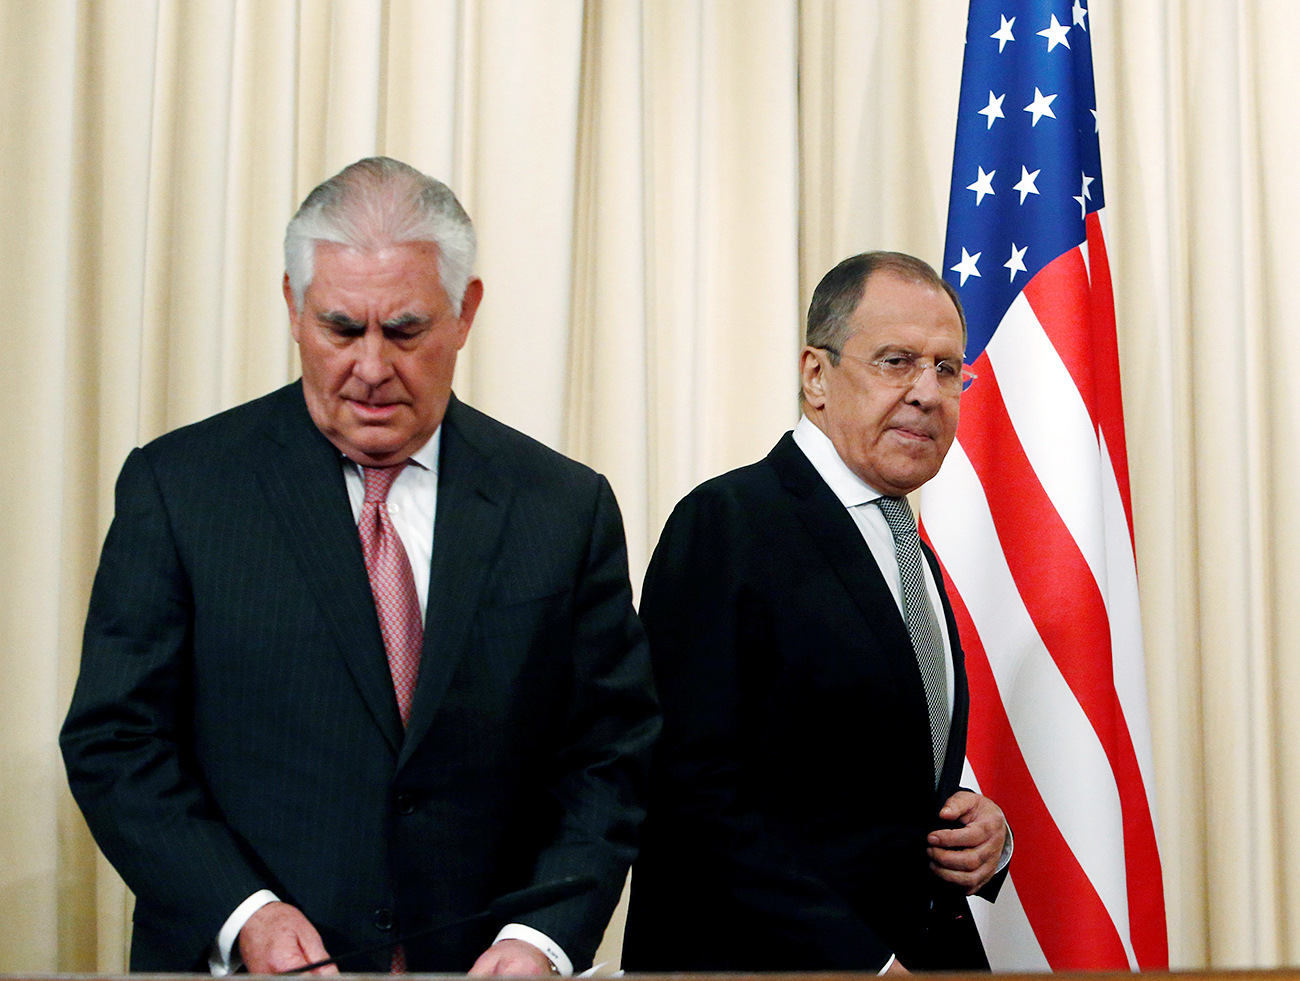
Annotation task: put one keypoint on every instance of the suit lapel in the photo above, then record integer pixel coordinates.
(839, 540)
(954, 761)
(473, 499)
(302, 475)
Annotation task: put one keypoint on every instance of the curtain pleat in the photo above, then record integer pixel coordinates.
(657, 186)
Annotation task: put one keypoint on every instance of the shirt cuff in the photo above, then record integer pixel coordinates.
(888, 964)
(553, 951)
(223, 958)
(1007, 847)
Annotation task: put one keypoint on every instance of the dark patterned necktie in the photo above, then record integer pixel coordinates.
(922, 625)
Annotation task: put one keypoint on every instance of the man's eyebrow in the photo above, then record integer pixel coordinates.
(336, 318)
(340, 320)
(404, 320)
(892, 348)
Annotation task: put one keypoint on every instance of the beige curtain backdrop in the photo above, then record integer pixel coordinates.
(657, 186)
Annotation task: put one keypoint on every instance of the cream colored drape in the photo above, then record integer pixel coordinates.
(657, 185)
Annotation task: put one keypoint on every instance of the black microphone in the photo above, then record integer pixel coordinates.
(511, 904)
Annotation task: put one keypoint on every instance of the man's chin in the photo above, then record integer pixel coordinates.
(904, 480)
(377, 450)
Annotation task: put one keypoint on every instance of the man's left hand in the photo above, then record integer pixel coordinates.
(512, 957)
(968, 856)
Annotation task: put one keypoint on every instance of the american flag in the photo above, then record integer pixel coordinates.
(1030, 514)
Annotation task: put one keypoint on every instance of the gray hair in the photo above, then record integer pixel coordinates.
(376, 203)
(830, 314)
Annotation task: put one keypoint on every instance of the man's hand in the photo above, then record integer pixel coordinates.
(279, 938)
(897, 968)
(968, 856)
(512, 957)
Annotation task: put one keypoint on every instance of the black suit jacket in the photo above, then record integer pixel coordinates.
(234, 725)
(793, 787)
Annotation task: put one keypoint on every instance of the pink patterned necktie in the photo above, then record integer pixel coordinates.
(392, 584)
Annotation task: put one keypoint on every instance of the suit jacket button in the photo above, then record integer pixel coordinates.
(405, 804)
(383, 919)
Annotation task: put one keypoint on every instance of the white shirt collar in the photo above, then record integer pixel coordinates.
(851, 489)
(427, 455)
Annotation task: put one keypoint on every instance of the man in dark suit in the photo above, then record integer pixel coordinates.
(295, 735)
(804, 806)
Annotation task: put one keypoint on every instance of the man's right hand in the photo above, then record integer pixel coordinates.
(897, 968)
(279, 938)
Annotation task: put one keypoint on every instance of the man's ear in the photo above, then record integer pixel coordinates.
(469, 307)
(293, 309)
(812, 375)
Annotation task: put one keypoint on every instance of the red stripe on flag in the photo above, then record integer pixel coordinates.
(1067, 608)
(1068, 918)
(1146, 896)
(1075, 306)
(1105, 347)
(1059, 297)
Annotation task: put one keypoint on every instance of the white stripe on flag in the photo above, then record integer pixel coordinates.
(1125, 616)
(1017, 948)
(1065, 758)
(1053, 425)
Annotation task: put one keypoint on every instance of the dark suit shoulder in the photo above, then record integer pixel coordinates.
(728, 532)
(513, 451)
(231, 428)
(741, 484)
(748, 504)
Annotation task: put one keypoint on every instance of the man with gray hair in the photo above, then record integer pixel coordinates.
(804, 809)
(359, 660)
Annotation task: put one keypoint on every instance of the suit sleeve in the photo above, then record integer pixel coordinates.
(611, 723)
(127, 741)
(718, 869)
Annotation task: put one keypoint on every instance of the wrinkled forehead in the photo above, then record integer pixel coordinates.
(391, 276)
(895, 312)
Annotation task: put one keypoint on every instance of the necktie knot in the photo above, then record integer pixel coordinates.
(898, 515)
(379, 481)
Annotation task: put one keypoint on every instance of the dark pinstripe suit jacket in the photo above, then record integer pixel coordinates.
(793, 788)
(234, 725)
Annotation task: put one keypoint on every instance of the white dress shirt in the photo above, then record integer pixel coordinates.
(413, 505)
(858, 498)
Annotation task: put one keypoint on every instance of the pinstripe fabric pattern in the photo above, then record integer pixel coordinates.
(234, 726)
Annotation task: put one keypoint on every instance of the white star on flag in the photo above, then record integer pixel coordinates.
(1004, 34)
(1041, 106)
(1017, 261)
(1026, 185)
(1084, 196)
(1055, 34)
(1096, 125)
(983, 185)
(966, 268)
(994, 109)
(1079, 15)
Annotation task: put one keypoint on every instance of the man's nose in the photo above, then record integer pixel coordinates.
(924, 389)
(374, 364)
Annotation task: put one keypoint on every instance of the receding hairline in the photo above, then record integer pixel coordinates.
(372, 205)
(938, 289)
(829, 313)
